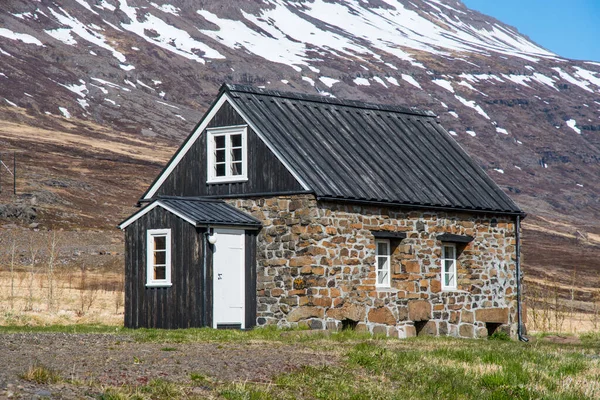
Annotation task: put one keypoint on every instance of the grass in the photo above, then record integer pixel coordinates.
(40, 374)
(380, 368)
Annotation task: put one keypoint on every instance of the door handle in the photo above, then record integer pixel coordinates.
(219, 276)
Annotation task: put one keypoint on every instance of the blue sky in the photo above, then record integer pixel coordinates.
(569, 28)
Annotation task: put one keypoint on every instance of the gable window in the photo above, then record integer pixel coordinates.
(158, 258)
(448, 266)
(382, 256)
(227, 154)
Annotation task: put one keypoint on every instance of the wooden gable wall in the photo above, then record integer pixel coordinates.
(178, 306)
(266, 174)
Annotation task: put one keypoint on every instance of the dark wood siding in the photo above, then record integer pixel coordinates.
(265, 172)
(185, 304)
(178, 306)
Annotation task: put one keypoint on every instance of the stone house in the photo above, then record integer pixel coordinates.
(294, 210)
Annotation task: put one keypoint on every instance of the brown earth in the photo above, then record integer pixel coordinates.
(88, 363)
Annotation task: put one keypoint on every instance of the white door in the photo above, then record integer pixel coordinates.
(228, 278)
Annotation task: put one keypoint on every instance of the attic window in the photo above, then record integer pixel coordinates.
(227, 154)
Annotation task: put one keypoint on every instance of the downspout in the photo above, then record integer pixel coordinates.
(518, 271)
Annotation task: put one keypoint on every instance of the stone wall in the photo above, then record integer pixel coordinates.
(316, 267)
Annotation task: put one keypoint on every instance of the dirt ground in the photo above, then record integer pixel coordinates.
(97, 361)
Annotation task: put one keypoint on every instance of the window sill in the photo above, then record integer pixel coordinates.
(457, 291)
(226, 180)
(386, 289)
(158, 284)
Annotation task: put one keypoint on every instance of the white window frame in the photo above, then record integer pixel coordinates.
(150, 235)
(453, 269)
(227, 131)
(388, 257)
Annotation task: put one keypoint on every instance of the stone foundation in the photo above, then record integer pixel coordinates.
(316, 268)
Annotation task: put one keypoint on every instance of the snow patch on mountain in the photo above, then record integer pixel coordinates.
(589, 76)
(573, 125)
(63, 35)
(473, 105)
(65, 112)
(445, 84)
(168, 8)
(22, 37)
(86, 5)
(309, 80)
(564, 75)
(84, 32)
(80, 90)
(392, 80)
(329, 82)
(165, 36)
(411, 80)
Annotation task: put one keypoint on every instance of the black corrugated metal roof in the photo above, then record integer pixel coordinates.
(198, 212)
(360, 151)
(209, 211)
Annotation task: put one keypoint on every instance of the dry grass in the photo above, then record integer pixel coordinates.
(95, 299)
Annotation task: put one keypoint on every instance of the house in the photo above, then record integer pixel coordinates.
(287, 209)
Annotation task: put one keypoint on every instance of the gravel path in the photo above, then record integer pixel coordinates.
(100, 360)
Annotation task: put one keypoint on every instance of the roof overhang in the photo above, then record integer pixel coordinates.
(228, 216)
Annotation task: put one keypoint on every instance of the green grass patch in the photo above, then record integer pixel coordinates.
(374, 368)
(40, 374)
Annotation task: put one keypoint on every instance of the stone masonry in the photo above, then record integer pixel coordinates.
(316, 267)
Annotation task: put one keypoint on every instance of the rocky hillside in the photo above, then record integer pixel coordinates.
(99, 93)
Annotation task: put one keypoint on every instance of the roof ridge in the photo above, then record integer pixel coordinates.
(190, 198)
(230, 87)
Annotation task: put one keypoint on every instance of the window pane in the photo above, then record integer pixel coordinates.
(381, 263)
(160, 242)
(220, 156)
(449, 250)
(382, 248)
(219, 142)
(160, 273)
(160, 257)
(236, 168)
(449, 279)
(236, 155)
(448, 266)
(382, 277)
(236, 140)
(220, 170)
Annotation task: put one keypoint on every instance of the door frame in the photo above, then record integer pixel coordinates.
(243, 283)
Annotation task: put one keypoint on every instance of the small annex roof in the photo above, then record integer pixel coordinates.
(357, 151)
(199, 212)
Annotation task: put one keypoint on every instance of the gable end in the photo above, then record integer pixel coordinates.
(186, 173)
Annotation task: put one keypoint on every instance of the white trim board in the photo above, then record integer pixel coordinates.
(149, 208)
(192, 139)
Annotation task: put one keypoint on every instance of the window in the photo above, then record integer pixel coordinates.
(448, 266)
(159, 258)
(382, 255)
(226, 149)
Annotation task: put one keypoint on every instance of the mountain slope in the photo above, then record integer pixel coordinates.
(147, 71)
